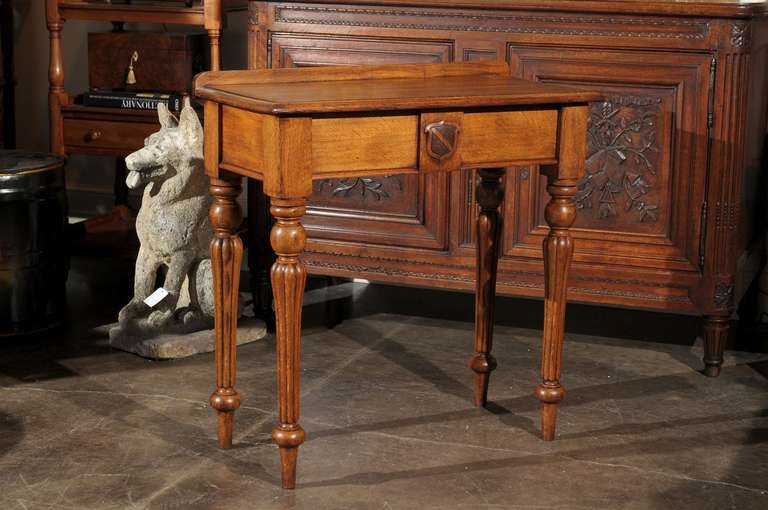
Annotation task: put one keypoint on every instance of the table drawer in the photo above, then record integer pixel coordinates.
(509, 137)
(107, 136)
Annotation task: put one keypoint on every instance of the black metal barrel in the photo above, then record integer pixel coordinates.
(34, 255)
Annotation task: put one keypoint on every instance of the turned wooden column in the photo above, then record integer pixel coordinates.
(489, 193)
(55, 75)
(213, 22)
(226, 258)
(288, 279)
(214, 38)
(560, 214)
(7, 76)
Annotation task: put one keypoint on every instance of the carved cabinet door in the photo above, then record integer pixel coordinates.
(400, 210)
(641, 199)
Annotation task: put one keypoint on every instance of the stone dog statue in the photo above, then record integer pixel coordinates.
(174, 231)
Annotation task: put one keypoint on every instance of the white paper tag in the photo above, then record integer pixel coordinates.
(154, 298)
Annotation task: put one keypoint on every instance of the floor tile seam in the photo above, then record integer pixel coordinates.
(418, 440)
(24, 501)
(665, 474)
(158, 396)
(193, 470)
(506, 506)
(196, 403)
(361, 352)
(556, 455)
(253, 426)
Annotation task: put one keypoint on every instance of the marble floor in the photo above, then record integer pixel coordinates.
(388, 413)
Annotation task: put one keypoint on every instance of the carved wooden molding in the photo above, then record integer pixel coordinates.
(725, 216)
(297, 50)
(535, 274)
(725, 187)
(253, 13)
(723, 294)
(741, 35)
(470, 280)
(477, 54)
(490, 22)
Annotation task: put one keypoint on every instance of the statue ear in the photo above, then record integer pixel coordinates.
(190, 125)
(166, 119)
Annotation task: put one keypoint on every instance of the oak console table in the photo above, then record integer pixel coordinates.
(288, 127)
(667, 206)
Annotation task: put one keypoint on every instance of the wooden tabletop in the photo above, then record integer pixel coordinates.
(380, 88)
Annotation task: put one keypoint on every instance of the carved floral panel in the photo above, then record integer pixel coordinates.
(622, 168)
(366, 186)
(392, 194)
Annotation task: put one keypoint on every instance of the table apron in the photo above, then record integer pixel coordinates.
(396, 143)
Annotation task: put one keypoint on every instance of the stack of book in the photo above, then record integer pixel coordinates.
(132, 100)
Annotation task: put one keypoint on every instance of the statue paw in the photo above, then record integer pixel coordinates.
(132, 311)
(189, 315)
(160, 318)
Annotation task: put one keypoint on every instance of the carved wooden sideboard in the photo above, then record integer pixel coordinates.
(667, 207)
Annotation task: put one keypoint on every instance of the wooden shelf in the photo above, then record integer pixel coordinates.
(144, 13)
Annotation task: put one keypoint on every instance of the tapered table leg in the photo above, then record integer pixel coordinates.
(560, 214)
(288, 279)
(226, 257)
(489, 195)
(558, 249)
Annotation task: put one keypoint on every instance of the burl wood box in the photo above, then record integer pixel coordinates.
(145, 61)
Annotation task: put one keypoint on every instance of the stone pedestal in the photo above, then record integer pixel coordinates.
(174, 345)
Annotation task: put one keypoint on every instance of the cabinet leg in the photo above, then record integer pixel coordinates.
(226, 258)
(558, 250)
(288, 279)
(715, 336)
(489, 193)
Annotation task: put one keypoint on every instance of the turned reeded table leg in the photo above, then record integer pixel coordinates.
(226, 257)
(288, 278)
(560, 214)
(489, 196)
(558, 249)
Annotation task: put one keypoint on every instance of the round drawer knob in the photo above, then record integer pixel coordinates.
(92, 135)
